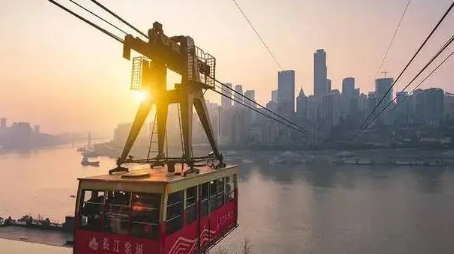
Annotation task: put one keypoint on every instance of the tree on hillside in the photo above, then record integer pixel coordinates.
(247, 247)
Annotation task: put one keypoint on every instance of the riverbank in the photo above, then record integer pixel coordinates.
(381, 156)
(41, 231)
(376, 157)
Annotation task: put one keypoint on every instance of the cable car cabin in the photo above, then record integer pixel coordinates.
(150, 211)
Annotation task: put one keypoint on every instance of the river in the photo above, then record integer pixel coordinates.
(283, 208)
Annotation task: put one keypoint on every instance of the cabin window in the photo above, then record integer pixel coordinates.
(220, 193)
(174, 220)
(203, 200)
(229, 189)
(92, 202)
(145, 215)
(235, 181)
(117, 212)
(191, 199)
(213, 195)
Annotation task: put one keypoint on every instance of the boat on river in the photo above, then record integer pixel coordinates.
(86, 162)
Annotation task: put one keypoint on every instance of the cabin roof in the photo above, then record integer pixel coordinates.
(158, 174)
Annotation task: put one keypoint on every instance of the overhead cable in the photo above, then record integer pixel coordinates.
(94, 14)
(422, 81)
(417, 75)
(409, 62)
(287, 122)
(257, 33)
(266, 109)
(88, 22)
(393, 37)
(256, 110)
(118, 17)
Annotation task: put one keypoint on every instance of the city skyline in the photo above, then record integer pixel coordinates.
(97, 78)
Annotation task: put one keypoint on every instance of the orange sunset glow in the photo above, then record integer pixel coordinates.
(62, 73)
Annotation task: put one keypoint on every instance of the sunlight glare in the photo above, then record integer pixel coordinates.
(139, 96)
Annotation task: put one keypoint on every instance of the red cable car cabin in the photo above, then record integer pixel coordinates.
(150, 211)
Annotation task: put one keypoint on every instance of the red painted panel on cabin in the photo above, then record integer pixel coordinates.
(185, 240)
(91, 242)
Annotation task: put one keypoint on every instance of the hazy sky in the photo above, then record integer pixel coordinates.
(63, 74)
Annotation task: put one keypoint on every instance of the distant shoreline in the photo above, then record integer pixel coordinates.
(376, 156)
(29, 150)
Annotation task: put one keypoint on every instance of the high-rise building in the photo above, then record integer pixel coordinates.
(274, 96)
(328, 83)
(349, 96)
(241, 127)
(250, 94)
(418, 107)
(401, 97)
(362, 102)
(348, 86)
(312, 108)
(238, 89)
(227, 123)
(449, 106)
(331, 109)
(357, 92)
(286, 93)
(227, 102)
(320, 73)
(434, 106)
(382, 85)
(371, 103)
(301, 105)
(271, 105)
(403, 109)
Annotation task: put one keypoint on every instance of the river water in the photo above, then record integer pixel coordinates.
(283, 208)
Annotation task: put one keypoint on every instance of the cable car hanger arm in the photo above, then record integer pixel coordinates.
(197, 70)
(178, 54)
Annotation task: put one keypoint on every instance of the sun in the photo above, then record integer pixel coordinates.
(139, 96)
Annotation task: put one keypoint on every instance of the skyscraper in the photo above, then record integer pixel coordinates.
(239, 89)
(250, 94)
(286, 93)
(320, 73)
(328, 84)
(301, 105)
(348, 86)
(274, 96)
(382, 85)
(227, 102)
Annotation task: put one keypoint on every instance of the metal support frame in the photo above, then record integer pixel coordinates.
(197, 70)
